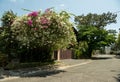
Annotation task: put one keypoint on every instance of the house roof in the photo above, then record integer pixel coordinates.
(75, 30)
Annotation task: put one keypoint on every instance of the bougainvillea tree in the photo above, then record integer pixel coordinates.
(42, 32)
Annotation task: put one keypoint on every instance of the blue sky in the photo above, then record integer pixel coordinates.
(77, 7)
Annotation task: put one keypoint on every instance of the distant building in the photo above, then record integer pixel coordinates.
(107, 49)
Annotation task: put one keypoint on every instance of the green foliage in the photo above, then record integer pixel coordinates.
(35, 36)
(90, 29)
(11, 66)
(3, 60)
(8, 18)
(80, 50)
(96, 20)
(113, 32)
(56, 32)
(118, 42)
(5, 34)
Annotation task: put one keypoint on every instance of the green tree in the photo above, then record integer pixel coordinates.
(96, 20)
(91, 29)
(113, 32)
(8, 18)
(5, 35)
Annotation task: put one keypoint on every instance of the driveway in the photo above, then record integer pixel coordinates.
(102, 69)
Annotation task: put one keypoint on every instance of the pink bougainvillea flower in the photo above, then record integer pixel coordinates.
(30, 14)
(44, 20)
(34, 14)
(29, 22)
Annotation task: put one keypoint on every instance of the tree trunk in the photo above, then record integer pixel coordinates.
(58, 55)
(90, 52)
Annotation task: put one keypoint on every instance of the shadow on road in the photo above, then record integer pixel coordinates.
(117, 56)
(43, 73)
(117, 78)
(100, 58)
(1, 77)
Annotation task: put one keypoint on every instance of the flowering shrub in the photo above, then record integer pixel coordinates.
(39, 29)
(40, 33)
(34, 14)
(29, 22)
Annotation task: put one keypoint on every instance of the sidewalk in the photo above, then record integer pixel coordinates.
(73, 63)
(59, 67)
(68, 63)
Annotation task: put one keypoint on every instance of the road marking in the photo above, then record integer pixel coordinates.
(65, 67)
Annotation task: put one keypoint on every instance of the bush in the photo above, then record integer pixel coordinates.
(11, 66)
(79, 50)
(3, 60)
(112, 52)
(77, 53)
(40, 33)
(118, 53)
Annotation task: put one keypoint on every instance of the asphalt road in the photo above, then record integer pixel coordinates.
(101, 69)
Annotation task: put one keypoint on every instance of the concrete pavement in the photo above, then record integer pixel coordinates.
(61, 65)
(101, 69)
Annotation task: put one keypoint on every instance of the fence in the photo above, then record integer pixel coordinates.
(64, 54)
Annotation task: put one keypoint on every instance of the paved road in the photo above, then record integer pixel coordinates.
(102, 69)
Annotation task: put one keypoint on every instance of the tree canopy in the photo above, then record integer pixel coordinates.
(36, 35)
(8, 18)
(5, 34)
(39, 29)
(96, 20)
(91, 29)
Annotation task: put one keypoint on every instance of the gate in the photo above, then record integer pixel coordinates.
(64, 54)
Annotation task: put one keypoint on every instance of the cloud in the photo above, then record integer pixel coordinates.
(62, 5)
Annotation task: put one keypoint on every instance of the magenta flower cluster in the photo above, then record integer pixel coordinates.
(29, 22)
(44, 20)
(34, 14)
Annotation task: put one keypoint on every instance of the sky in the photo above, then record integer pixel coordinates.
(77, 7)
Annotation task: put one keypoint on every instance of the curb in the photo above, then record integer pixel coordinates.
(8, 78)
(66, 67)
